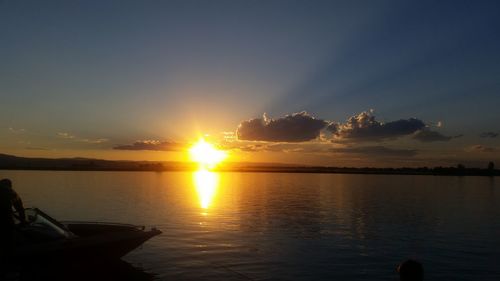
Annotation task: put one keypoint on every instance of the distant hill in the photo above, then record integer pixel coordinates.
(10, 162)
(22, 163)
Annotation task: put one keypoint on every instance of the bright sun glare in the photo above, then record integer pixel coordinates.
(206, 186)
(206, 154)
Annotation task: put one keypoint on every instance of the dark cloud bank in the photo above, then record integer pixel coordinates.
(480, 148)
(298, 127)
(363, 127)
(426, 135)
(154, 145)
(488, 135)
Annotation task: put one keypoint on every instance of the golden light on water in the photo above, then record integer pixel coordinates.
(206, 154)
(206, 183)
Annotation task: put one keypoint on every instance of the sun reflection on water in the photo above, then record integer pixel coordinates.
(206, 183)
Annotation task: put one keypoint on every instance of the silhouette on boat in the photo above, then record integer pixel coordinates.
(43, 238)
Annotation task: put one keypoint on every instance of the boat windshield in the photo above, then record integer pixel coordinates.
(42, 223)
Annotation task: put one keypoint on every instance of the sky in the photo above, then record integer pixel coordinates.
(340, 83)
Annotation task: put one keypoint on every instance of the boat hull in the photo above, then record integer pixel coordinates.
(92, 241)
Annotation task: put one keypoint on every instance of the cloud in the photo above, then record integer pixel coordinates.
(365, 127)
(248, 146)
(269, 147)
(69, 136)
(154, 145)
(93, 140)
(286, 147)
(332, 127)
(379, 151)
(36, 148)
(362, 127)
(480, 148)
(488, 135)
(426, 135)
(16, 130)
(298, 127)
(326, 149)
(252, 147)
(228, 136)
(65, 135)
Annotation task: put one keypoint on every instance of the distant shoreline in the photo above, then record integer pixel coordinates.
(286, 170)
(9, 162)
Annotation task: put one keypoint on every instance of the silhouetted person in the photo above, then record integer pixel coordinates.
(491, 166)
(8, 200)
(411, 270)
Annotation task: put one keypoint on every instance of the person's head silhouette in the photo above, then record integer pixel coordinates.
(6, 183)
(411, 270)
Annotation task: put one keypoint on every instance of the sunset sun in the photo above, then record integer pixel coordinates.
(206, 155)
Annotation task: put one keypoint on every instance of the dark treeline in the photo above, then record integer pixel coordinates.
(9, 162)
(460, 170)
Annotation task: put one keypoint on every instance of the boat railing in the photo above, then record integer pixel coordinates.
(63, 224)
(141, 227)
(38, 219)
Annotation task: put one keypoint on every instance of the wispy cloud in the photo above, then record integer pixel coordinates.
(94, 140)
(248, 146)
(479, 148)
(377, 151)
(489, 135)
(36, 148)
(68, 136)
(65, 135)
(229, 136)
(427, 135)
(154, 145)
(326, 149)
(16, 130)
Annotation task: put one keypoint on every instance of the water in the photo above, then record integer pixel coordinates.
(266, 226)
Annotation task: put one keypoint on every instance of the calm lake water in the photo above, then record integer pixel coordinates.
(266, 226)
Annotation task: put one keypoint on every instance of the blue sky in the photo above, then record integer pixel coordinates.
(123, 71)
